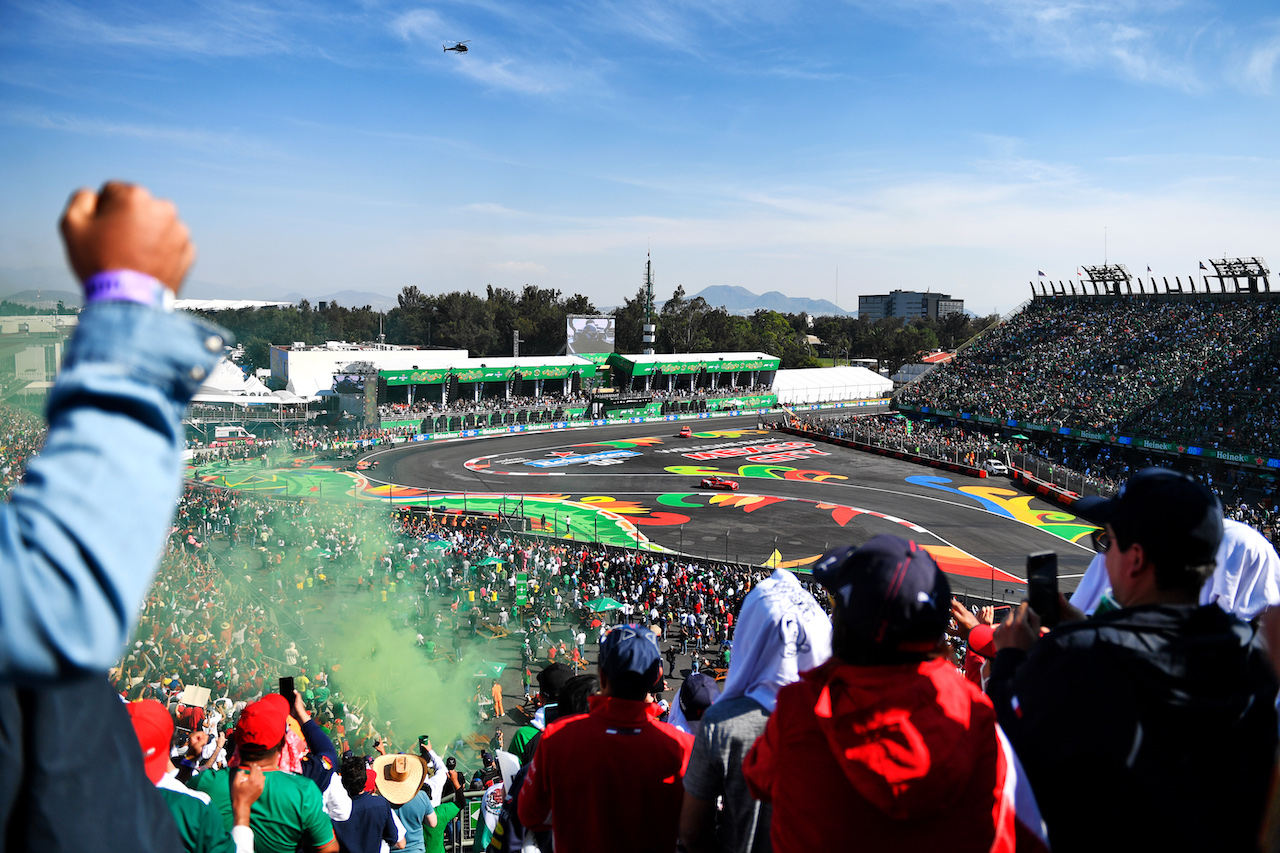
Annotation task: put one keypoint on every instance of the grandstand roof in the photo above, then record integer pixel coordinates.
(828, 384)
(492, 369)
(694, 362)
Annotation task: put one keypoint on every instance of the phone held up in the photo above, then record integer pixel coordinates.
(1042, 586)
(286, 688)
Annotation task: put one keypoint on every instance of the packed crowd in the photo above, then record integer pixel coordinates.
(1197, 370)
(1083, 468)
(487, 405)
(23, 434)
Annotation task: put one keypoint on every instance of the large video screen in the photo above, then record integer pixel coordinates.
(589, 334)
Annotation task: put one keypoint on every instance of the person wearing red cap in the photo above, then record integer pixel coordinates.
(290, 813)
(199, 823)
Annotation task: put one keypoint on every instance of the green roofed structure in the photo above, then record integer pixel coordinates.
(703, 371)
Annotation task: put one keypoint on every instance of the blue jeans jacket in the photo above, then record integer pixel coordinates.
(80, 537)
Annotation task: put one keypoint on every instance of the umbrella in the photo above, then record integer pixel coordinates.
(489, 669)
(490, 561)
(1022, 437)
(600, 605)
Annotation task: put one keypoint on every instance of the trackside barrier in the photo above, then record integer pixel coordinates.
(953, 467)
(596, 422)
(1049, 491)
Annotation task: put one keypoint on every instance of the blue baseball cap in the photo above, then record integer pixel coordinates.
(890, 590)
(631, 649)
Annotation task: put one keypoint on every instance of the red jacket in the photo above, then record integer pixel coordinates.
(608, 780)
(888, 757)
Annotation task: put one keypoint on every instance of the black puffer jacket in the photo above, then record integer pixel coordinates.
(1151, 728)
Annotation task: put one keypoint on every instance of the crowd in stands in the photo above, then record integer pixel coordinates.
(1197, 370)
(1083, 468)
(23, 433)
(485, 406)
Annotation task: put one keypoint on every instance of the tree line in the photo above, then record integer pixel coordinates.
(483, 325)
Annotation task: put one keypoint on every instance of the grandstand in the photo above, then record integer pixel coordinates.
(1192, 373)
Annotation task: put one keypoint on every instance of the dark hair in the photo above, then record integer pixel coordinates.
(574, 695)
(354, 774)
(253, 752)
(853, 648)
(630, 685)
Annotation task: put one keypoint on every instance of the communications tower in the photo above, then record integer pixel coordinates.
(650, 329)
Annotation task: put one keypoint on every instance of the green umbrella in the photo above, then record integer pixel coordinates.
(491, 561)
(489, 669)
(1022, 437)
(600, 605)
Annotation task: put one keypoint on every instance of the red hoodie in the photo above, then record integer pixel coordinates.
(885, 758)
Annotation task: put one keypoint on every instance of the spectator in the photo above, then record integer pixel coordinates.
(692, 701)
(550, 681)
(83, 530)
(1153, 704)
(1245, 579)
(414, 813)
(198, 822)
(610, 779)
(905, 749)
(372, 823)
(290, 813)
(781, 632)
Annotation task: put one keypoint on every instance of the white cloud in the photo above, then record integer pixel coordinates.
(1260, 70)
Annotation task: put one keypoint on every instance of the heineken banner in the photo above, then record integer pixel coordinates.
(694, 366)
(1171, 447)
(437, 376)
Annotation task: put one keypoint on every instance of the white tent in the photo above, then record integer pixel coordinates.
(828, 385)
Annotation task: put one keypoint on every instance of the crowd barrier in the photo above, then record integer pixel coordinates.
(512, 429)
(953, 467)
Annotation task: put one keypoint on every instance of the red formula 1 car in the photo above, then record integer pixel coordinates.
(718, 482)
(685, 432)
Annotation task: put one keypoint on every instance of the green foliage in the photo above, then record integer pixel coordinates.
(482, 325)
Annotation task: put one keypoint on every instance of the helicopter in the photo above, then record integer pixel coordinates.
(459, 46)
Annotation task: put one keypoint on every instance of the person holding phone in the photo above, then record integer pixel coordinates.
(1138, 715)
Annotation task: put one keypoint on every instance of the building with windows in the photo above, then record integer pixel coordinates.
(908, 304)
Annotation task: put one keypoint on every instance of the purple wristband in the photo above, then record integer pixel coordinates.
(124, 286)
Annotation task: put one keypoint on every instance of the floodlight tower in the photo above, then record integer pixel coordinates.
(650, 328)
(1110, 277)
(1249, 269)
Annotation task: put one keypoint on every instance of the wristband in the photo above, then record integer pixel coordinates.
(127, 286)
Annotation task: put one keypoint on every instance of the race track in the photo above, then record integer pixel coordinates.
(638, 485)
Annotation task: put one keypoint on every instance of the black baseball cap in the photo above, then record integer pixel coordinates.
(698, 693)
(890, 590)
(1165, 511)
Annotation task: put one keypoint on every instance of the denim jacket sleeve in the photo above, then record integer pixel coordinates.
(81, 535)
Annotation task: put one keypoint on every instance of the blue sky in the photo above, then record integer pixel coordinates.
(957, 145)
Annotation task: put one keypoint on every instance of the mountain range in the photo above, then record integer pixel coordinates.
(739, 300)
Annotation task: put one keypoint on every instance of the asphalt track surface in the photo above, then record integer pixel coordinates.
(793, 502)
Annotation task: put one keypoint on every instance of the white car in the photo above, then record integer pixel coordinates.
(994, 468)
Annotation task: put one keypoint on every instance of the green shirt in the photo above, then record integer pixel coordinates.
(288, 815)
(198, 822)
(520, 742)
(433, 836)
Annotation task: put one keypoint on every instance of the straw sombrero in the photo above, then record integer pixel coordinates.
(398, 777)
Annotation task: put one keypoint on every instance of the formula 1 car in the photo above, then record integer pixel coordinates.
(717, 482)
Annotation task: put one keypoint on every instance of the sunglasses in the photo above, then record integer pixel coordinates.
(1101, 541)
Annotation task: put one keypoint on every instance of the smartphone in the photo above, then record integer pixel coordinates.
(286, 688)
(1042, 586)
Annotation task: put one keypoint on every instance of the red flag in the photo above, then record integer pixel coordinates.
(315, 488)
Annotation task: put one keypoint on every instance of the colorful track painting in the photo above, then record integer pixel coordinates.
(745, 453)
(1014, 504)
(801, 529)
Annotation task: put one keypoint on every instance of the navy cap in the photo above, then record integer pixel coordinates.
(698, 693)
(631, 649)
(890, 590)
(552, 680)
(1167, 512)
